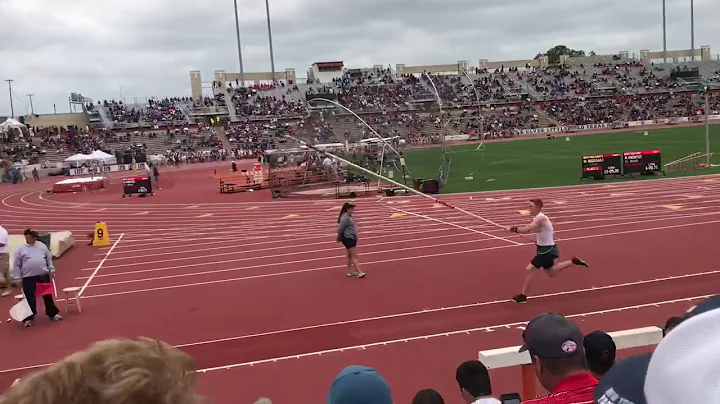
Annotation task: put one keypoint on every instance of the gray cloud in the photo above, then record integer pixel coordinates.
(147, 47)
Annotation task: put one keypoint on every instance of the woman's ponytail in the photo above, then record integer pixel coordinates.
(344, 210)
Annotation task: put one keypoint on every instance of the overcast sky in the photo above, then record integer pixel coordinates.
(147, 47)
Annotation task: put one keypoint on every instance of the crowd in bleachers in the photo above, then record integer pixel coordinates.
(371, 90)
(162, 111)
(574, 368)
(255, 104)
(514, 99)
(120, 113)
(247, 140)
(379, 89)
(623, 108)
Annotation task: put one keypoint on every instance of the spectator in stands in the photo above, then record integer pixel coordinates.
(5, 262)
(555, 346)
(359, 385)
(474, 382)
(329, 168)
(428, 396)
(600, 352)
(33, 264)
(112, 371)
(670, 324)
(683, 369)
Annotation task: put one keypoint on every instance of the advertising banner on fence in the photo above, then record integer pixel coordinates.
(100, 170)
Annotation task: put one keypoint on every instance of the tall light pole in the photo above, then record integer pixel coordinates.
(237, 34)
(12, 110)
(664, 33)
(692, 28)
(272, 54)
(707, 123)
(32, 109)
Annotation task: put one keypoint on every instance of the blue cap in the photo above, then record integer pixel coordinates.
(359, 385)
(625, 382)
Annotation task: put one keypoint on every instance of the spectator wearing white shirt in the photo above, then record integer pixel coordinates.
(5, 262)
(329, 169)
(474, 381)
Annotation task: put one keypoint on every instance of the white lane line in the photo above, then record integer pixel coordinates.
(444, 334)
(450, 308)
(309, 270)
(467, 331)
(90, 278)
(624, 224)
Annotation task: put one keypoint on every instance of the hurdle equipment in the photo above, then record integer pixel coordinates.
(645, 337)
(687, 163)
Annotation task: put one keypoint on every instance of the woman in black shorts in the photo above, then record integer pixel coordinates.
(347, 234)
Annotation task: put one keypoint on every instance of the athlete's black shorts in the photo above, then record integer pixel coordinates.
(348, 242)
(545, 256)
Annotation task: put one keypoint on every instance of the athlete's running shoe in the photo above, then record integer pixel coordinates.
(351, 274)
(578, 261)
(519, 298)
(360, 274)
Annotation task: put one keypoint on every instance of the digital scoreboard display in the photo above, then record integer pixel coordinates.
(640, 162)
(647, 161)
(599, 166)
(137, 185)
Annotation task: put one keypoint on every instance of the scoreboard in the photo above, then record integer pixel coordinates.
(599, 166)
(137, 185)
(642, 162)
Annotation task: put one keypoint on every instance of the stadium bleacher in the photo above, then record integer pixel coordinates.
(492, 100)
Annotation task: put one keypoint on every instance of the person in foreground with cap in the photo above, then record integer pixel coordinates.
(685, 367)
(348, 236)
(600, 353)
(555, 346)
(33, 264)
(359, 385)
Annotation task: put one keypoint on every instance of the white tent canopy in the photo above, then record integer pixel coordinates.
(97, 155)
(78, 158)
(11, 123)
(104, 157)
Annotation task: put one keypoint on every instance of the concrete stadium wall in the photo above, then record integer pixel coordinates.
(196, 84)
(80, 120)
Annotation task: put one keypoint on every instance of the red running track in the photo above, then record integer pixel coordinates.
(241, 285)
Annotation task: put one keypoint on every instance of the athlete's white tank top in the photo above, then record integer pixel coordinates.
(544, 234)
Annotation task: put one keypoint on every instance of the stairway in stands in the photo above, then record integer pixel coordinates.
(544, 118)
(220, 132)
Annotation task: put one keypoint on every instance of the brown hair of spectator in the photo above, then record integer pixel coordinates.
(112, 371)
(537, 202)
(428, 396)
(564, 366)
